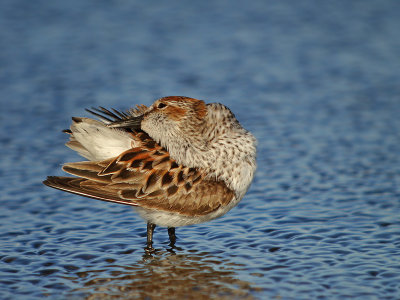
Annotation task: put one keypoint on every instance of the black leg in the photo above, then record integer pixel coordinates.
(172, 236)
(150, 230)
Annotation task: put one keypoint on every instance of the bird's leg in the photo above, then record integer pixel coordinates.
(172, 236)
(150, 230)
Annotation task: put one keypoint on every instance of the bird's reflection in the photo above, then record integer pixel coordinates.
(168, 274)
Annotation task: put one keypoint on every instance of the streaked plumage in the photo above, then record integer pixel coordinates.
(178, 162)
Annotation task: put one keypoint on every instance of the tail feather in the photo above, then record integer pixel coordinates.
(95, 141)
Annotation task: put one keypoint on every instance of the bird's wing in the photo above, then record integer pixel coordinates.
(147, 177)
(113, 115)
(86, 188)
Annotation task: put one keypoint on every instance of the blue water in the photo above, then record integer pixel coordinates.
(318, 83)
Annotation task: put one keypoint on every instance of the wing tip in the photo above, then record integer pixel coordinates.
(71, 185)
(56, 182)
(49, 181)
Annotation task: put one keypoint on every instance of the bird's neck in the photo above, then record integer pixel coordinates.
(228, 156)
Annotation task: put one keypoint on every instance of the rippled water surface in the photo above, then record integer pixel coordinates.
(317, 83)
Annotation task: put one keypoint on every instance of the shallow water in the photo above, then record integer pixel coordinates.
(318, 84)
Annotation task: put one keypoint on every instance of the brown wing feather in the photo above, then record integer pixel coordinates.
(204, 198)
(146, 176)
(77, 186)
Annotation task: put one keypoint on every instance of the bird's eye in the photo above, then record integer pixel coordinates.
(161, 105)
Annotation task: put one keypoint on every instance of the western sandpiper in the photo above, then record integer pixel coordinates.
(178, 162)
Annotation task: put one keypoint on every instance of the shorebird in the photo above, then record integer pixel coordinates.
(178, 162)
